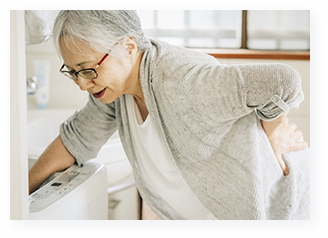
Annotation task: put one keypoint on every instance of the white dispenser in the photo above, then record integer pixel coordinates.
(42, 72)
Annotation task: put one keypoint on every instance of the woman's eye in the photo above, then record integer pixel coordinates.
(87, 72)
(90, 74)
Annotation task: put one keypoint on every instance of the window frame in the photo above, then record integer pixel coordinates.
(243, 52)
(256, 54)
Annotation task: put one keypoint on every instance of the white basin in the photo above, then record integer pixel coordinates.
(43, 128)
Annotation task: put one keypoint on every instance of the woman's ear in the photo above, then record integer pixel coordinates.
(130, 45)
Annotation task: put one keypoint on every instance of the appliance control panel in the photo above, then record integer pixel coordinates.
(60, 184)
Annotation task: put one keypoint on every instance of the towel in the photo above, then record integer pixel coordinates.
(38, 25)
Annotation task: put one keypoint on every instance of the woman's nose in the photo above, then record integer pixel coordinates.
(83, 83)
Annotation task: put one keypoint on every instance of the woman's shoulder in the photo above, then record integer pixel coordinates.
(177, 61)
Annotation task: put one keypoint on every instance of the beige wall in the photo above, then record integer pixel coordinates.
(64, 94)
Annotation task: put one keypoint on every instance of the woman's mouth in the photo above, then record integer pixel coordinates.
(99, 94)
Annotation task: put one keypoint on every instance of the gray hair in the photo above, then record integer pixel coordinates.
(99, 29)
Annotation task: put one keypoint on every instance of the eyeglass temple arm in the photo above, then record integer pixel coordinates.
(62, 67)
(102, 60)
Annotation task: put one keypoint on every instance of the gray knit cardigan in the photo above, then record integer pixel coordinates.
(208, 116)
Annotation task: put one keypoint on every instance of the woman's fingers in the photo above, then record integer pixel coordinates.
(299, 145)
(292, 126)
(286, 119)
(284, 137)
(297, 135)
(282, 164)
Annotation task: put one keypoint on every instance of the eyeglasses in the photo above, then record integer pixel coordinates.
(89, 73)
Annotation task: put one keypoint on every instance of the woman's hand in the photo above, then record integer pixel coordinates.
(283, 137)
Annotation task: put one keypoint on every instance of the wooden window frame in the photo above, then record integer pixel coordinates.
(244, 53)
(256, 54)
(241, 53)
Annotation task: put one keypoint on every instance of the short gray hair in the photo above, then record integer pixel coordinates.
(100, 29)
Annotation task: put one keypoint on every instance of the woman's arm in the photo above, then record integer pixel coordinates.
(269, 89)
(81, 137)
(224, 93)
(55, 158)
(283, 137)
(84, 133)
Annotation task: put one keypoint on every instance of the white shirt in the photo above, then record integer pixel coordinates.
(158, 168)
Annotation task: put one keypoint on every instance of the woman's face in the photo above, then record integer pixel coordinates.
(115, 77)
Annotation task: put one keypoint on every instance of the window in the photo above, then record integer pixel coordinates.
(283, 30)
(232, 29)
(190, 28)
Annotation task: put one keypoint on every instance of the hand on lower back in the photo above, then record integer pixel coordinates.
(283, 137)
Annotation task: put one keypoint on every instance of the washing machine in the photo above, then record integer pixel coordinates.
(77, 193)
(42, 129)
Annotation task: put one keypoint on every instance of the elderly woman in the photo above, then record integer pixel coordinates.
(205, 140)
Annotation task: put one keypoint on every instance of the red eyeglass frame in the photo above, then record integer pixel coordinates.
(71, 73)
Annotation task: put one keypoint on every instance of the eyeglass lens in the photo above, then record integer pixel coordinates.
(86, 73)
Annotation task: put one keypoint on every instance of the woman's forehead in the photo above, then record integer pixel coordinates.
(75, 52)
(74, 45)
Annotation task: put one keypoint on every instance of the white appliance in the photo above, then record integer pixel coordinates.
(43, 128)
(122, 198)
(78, 193)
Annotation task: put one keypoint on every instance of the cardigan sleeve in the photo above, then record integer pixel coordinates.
(227, 92)
(84, 133)
(270, 89)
